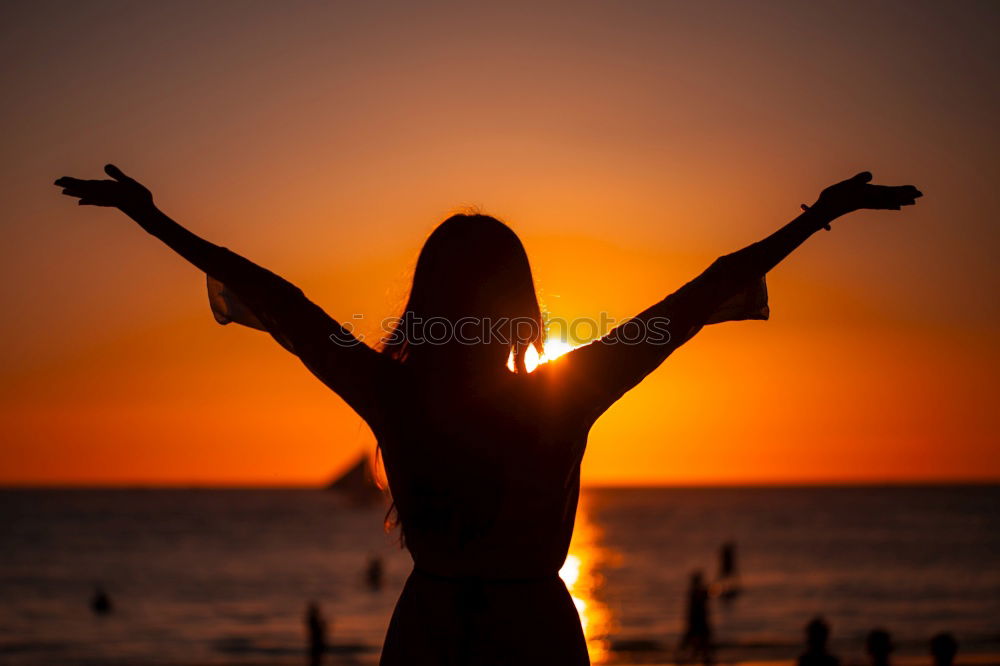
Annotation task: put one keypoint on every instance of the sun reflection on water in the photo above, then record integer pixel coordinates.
(584, 582)
(580, 570)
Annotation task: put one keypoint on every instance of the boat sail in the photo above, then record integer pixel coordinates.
(357, 484)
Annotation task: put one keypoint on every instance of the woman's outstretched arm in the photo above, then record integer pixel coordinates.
(133, 199)
(856, 193)
(330, 351)
(605, 369)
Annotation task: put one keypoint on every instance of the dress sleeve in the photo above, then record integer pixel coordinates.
(227, 308)
(592, 377)
(244, 293)
(748, 303)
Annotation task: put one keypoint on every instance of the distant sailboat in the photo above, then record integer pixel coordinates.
(357, 484)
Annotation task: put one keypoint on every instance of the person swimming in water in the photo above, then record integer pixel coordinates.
(482, 457)
(817, 645)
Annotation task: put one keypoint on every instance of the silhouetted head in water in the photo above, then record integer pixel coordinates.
(879, 646)
(100, 603)
(944, 647)
(697, 580)
(817, 634)
(473, 303)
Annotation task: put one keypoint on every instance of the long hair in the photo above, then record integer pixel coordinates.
(472, 268)
(472, 282)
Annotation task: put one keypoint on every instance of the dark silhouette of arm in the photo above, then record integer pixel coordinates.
(602, 371)
(327, 349)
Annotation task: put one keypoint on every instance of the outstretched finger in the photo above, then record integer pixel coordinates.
(892, 198)
(116, 173)
(907, 195)
(67, 181)
(863, 177)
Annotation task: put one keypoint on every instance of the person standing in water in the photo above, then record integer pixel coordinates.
(374, 573)
(696, 641)
(727, 560)
(729, 576)
(483, 462)
(316, 634)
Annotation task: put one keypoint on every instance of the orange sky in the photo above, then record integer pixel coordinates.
(628, 143)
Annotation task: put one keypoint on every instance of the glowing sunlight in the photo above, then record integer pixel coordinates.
(579, 573)
(553, 349)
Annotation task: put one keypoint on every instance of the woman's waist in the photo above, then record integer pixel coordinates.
(475, 565)
(469, 578)
(467, 593)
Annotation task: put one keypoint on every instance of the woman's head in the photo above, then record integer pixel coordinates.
(472, 295)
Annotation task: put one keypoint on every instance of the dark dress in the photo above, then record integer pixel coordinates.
(485, 469)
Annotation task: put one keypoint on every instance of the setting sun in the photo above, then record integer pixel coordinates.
(552, 349)
(262, 261)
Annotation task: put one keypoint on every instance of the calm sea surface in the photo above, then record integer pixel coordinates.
(223, 576)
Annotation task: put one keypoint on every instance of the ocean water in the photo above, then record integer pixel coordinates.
(223, 576)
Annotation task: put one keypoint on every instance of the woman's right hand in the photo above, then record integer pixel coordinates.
(121, 192)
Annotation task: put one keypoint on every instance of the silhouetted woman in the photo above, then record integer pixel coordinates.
(483, 462)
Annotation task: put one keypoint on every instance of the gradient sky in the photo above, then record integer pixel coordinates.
(628, 143)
